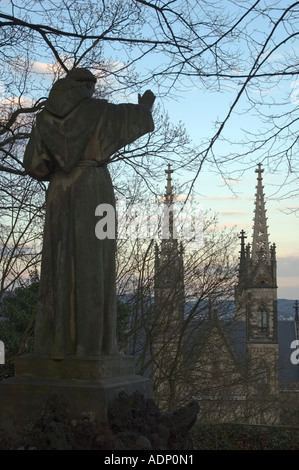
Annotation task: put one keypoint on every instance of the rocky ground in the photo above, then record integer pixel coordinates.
(134, 423)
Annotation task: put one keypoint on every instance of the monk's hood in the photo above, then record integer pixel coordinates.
(65, 95)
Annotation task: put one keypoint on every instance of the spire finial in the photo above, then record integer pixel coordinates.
(169, 193)
(259, 170)
(242, 236)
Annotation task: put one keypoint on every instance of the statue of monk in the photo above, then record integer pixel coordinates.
(71, 144)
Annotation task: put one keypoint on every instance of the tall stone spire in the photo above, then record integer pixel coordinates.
(260, 243)
(168, 313)
(256, 304)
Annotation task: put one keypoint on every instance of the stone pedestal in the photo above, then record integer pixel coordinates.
(88, 385)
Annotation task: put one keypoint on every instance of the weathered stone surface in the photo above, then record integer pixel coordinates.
(73, 367)
(21, 398)
(137, 428)
(71, 144)
(75, 352)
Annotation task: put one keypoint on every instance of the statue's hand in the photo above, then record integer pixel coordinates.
(147, 99)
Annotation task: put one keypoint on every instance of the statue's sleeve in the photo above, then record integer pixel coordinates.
(124, 124)
(37, 162)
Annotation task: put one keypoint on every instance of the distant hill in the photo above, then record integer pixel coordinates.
(285, 309)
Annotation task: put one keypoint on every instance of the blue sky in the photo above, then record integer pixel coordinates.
(234, 204)
(198, 110)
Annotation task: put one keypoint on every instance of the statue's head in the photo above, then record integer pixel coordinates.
(68, 92)
(83, 76)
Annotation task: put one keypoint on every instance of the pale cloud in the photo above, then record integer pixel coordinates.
(232, 212)
(231, 182)
(45, 68)
(229, 225)
(275, 56)
(16, 102)
(99, 69)
(288, 267)
(291, 281)
(181, 197)
(230, 197)
(287, 208)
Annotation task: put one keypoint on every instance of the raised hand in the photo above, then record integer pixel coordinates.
(147, 99)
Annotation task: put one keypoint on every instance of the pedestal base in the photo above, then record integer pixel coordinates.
(73, 367)
(88, 385)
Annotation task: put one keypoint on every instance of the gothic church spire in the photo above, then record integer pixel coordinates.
(260, 243)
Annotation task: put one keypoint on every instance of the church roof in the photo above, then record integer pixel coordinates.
(236, 333)
(288, 372)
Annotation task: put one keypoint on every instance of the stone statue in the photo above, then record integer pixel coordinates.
(70, 145)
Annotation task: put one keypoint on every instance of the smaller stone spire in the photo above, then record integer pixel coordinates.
(168, 229)
(242, 237)
(242, 259)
